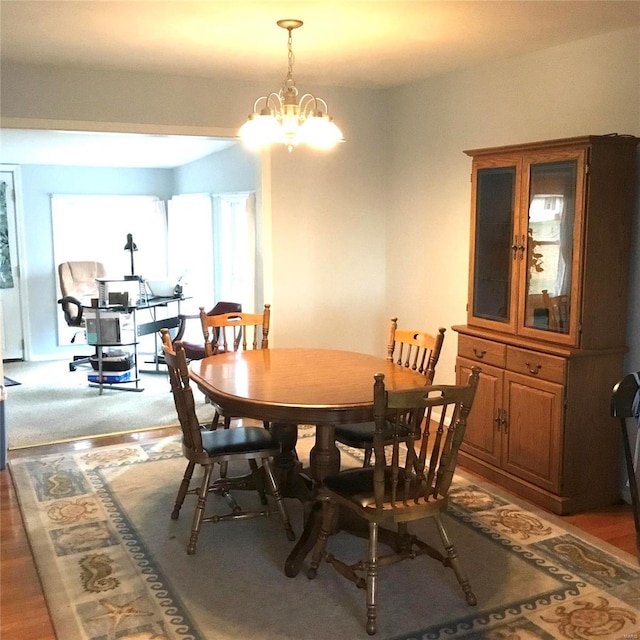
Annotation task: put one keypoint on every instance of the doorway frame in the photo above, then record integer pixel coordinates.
(21, 258)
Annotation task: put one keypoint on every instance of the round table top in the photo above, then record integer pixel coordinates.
(298, 385)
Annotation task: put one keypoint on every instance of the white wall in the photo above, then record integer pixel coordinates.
(381, 226)
(324, 210)
(329, 215)
(587, 87)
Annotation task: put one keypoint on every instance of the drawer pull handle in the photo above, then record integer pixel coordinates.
(533, 370)
(479, 353)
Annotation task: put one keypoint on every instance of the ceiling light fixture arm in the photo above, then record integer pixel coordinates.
(284, 118)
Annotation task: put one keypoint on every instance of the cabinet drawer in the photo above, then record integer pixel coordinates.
(482, 350)
(535, 364)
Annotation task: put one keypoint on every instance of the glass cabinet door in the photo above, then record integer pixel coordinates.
(492, 289)
(527, 225)
(548, 270)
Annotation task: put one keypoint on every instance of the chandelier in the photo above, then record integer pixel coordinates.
(284, 118)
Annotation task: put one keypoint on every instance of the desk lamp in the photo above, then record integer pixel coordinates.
(131, 246)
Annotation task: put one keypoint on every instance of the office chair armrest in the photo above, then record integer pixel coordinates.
(73, 320)
(183, 317)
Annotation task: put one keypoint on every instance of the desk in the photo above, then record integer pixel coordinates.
(287, 387)
(118, 325)
(155, 324)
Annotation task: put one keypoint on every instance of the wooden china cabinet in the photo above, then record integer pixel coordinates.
(551, 230)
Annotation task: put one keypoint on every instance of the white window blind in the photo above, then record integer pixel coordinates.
(212, 245)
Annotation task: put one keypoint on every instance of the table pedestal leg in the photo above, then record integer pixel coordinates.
(324, 460)
(287, 467)
(324, 457)
(305, 543)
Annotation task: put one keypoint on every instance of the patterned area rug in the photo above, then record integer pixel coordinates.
(114, 565)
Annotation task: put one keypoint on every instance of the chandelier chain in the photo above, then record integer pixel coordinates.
(290, 83)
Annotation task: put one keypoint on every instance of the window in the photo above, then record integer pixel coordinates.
(96, 228)
(219, 233)
(209, 242)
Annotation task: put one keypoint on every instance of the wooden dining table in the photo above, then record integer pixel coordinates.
(288, 387)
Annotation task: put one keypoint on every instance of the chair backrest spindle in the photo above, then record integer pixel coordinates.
(415, 350)
(235, 331)
(430, 451)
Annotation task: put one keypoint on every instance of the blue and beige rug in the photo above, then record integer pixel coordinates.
(114, 565)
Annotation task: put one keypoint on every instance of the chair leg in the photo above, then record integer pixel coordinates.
(367, 456)
(198, 515)
(183, 490)
(277, 496)
(224, 466)
(215, 421)
(253, 465)
(403, 539)
(372, 578)
(454, 562)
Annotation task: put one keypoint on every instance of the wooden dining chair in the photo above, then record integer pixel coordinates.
(557, 308)
(412, 486)
(408, 348)
(206, 448)
(232, 332)
(235, 331)
(196, 350)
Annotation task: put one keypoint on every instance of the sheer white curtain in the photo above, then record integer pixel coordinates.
(235, 249)
(190, 246)
(212, 245)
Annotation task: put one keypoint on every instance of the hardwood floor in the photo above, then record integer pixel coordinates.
(23, 610)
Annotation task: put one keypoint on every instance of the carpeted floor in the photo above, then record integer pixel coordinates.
(53, 404)
(114, 564)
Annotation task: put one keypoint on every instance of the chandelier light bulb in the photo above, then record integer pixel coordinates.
(284, 118)
(260, 130)
(319, 130)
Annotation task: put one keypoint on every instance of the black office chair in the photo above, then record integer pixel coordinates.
(78, 282)
(625, 403)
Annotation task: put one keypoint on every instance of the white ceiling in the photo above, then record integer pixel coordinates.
(362, 43)
(79, 148)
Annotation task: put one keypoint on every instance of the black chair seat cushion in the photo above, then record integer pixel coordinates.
(356, 485)
(238, 440)
(359, 435)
